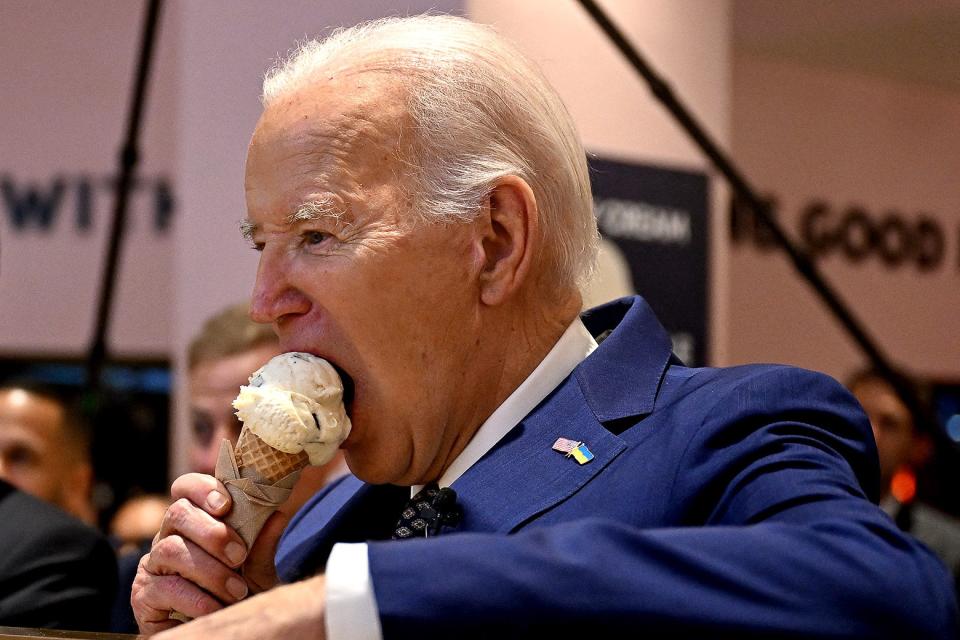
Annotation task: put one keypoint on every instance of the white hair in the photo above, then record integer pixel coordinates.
(481, 110)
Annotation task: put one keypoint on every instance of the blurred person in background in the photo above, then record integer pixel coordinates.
(132, 529)
(55, 571)
(220, 359)
(45, 448)
(137, 521)
(904, 450)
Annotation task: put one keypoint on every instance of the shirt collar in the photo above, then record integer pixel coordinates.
(571, 349)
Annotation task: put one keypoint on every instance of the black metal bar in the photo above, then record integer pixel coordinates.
(128, 160)
(801, 261)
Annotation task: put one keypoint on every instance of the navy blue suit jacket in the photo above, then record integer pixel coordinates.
(721, 502)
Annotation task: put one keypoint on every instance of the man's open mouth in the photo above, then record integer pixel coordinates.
(348, 387)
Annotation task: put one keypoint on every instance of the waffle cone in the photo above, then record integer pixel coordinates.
(254, 456)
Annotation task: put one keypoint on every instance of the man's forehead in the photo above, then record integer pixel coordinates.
(340, 111)
(16, 431)
(333, 146)
(18, 403)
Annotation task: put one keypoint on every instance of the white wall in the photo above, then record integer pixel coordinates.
(803, 133)
(67, 71)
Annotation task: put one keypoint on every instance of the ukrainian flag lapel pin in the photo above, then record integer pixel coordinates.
(575, 449)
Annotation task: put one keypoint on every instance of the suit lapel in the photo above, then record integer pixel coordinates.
(621, 377)
(523, 476)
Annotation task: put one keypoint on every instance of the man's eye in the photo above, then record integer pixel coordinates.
(314, 237)
(20, 456)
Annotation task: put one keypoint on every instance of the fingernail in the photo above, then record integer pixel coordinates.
(216, 500)
(235, 552)
(236, 587)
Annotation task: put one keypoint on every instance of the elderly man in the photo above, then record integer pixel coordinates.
(421, 204)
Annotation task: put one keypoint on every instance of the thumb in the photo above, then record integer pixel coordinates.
(259, 569)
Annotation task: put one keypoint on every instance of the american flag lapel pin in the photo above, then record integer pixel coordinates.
(573, 448)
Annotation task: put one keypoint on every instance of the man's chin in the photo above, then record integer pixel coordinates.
(364, 466)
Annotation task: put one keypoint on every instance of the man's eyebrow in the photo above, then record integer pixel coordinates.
(319, 209)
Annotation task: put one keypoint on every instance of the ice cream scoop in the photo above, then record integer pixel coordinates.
(294, 403)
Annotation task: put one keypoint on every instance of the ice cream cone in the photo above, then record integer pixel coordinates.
(254, 456)
(293, 403)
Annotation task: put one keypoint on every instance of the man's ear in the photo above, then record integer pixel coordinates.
(510, 237)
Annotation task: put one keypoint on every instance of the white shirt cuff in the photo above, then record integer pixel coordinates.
(351, 606)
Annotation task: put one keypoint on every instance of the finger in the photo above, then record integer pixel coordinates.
(149, 619)
(153, 597)
(185, 519)
(171, 593)
(204, 491)
(176, 555)
(150, 628)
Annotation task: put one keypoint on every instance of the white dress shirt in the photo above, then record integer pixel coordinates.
(351, 609)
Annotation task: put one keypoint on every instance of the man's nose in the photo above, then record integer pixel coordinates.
(273, 294)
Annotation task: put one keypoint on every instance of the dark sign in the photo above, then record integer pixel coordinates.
(852, 232)
(657, 218)
(40, 206)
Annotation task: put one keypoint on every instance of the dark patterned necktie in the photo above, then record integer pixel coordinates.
(428, 511)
